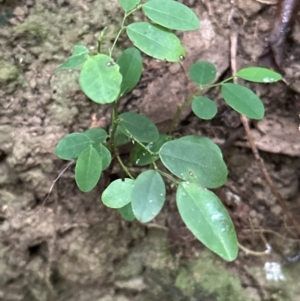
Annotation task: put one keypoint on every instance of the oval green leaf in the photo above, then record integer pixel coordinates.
(129, 4)
(88, 169)
(204, 108)
(140, 157)
(171, 14)
(194, 162)
(205, 141)
(96, 134)
(104, 154)
(138, 127)
(71, 146)
(78, 57)
(243, 100)
(156, 41)
(148, 195)
(131, 66)
(118, 193)
(127, 213)
(205, 216)
(202, 72)
(258, 75)
(100, 79)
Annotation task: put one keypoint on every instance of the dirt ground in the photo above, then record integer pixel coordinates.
(72, 247)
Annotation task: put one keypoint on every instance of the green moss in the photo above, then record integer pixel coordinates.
(8, 71)
(167, 278)
(206, 276)
(35, 28)
(185, 283)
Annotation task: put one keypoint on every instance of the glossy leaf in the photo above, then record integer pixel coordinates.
(243, 100)
(96, 134)
(202, 72)
(70, 146)
(171, 14)
(205, 141)
(138, 126)
(88, 169)
(148, 195)
(140, 157)
(205, 216)
(104, 154)
(100, 79)
(118, 193)
(258, 75)
(129, 4)
(156, 41)
(194, 162)
(127, 212)
(204, 108)
(131, 66)
(78, 57)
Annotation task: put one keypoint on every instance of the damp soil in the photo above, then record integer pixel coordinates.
(73, 248)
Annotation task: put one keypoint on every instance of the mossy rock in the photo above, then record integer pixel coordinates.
(165, 277)
(207, 278)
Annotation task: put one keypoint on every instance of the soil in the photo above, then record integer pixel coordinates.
(73, 248)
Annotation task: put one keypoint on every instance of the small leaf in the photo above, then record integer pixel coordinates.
(156, 41)
(194, 162)
(138, 126)
(148, 195)
(104, 154)
(205, 216)
(88, 169)
(202, 73)
(171, 14)
(131, 66)
(258, 75)
(96, 134)
(129, 4)
(118, 193)
(70, 147)
(205, 141)
(100, 79)
(243, 100)
(140, 157)
(204, 108)
(120, 138)
(127, 213)
(78, 57)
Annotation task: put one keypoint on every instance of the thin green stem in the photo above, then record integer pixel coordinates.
(222, 82)
(138, 142)
(172, 179)
(101, 36)
(99, 46)
(178, 112)
(154, 165)
(115, 115)
(199, 91)
(124, 167)
(115, 41)
(113, 125)
(126, 15)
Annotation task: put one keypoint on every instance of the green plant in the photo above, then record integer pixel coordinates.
(195, 164)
